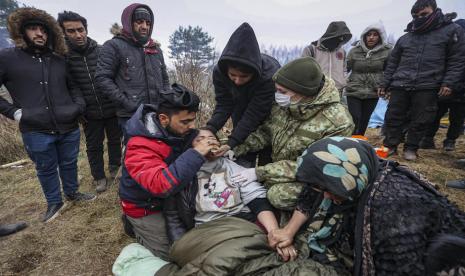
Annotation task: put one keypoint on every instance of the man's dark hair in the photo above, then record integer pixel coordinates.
(421, 4)
(177, 99)
(70, 16)
(239, 66)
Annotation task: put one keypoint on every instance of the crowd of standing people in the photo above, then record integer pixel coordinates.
(319, 200)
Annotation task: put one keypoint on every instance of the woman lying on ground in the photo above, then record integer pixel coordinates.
(363, 215)
(213, 195)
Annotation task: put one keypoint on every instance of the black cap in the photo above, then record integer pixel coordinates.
(179, 97)
(142, 13)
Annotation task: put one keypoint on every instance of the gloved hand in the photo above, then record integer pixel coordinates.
(230, 155)
(244, 177)
(18, 114)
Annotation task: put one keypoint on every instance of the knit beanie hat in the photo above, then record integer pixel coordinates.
(141, 13)
(302, 76)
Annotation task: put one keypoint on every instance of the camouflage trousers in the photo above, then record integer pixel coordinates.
(284, 195)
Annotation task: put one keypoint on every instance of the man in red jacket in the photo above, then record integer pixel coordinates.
(159, 162)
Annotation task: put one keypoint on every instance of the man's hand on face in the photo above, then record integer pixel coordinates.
(205, 146)
(221, 151)
(444, 91)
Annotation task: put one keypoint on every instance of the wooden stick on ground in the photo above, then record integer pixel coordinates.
(16, 163)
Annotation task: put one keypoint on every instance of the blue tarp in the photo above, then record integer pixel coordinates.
(377, 117)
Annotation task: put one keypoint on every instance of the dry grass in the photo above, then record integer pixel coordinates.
(86, 239)
(11, 148)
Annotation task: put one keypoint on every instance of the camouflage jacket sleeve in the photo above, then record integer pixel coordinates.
(284, 171)
(277, 172)
(256, 141)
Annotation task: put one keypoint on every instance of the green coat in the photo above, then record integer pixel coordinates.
(366, 66)
(289, 131)
(233, 246)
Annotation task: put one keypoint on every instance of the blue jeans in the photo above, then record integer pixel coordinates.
(50, 152)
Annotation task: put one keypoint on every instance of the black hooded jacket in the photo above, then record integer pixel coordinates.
(428, 60)
(248, 105)
(129, 73)
(82, 65)
(38, 82)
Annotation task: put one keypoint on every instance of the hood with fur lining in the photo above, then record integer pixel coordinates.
(18, 17)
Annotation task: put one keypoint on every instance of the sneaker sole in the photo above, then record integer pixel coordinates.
(58, 213)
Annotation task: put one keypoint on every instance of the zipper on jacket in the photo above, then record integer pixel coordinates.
(44, 84)
(93, 87)
(146, 78)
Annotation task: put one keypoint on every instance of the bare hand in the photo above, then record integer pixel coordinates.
(221, 151)
(444, 91)
(288, 253)
(381, 92)
(280, 238)
(205, 146)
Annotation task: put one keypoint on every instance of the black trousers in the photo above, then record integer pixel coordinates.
(95, 131)
(250, 159)
(456, 119)
(418, 106)
(361, 112)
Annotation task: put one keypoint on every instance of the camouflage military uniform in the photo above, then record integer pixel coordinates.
(290, 131)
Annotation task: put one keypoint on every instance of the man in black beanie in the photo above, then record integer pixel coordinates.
(131, 69)
(426, 63)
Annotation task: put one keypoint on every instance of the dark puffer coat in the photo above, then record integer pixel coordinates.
(82, 65)
(428, 60)
(129, 73)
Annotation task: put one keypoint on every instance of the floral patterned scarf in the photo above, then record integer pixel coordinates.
(343, 167)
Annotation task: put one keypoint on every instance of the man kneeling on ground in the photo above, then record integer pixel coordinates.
(159, 162)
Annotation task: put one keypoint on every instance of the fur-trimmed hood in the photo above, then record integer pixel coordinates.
(18, 17)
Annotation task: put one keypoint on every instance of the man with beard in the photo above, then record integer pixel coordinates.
(159, 162)
(131, 69)
(100, 115)
(34, 72)
(425, 64)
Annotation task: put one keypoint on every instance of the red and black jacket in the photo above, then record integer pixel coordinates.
(156, 164)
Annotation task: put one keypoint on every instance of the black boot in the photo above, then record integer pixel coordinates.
(456, 184)
(427, 143)
(9, 229)
(449, 145)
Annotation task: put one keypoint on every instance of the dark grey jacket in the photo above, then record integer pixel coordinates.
(428, 60)
(127, 72)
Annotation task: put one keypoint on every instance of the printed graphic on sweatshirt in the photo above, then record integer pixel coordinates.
(215, 193)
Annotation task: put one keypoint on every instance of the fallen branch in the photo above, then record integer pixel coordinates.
(16, 163)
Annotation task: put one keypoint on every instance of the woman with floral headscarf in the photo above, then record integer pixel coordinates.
(363, 215)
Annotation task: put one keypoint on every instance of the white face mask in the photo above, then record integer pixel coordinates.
(282, 100)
